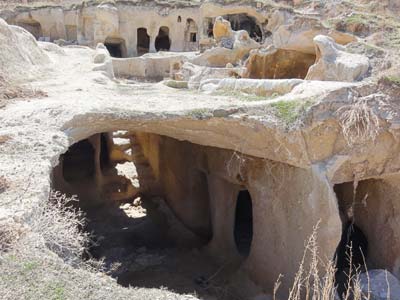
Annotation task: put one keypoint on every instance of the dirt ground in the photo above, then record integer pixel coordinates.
(137, 253)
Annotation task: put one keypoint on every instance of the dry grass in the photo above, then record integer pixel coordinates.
(59, 224)
(43, 260)
(358, 121)
(312, 284)
(9, 91)
(10, 232)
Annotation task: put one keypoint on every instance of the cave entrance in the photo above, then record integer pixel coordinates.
(208, 27)
(373, 204)
(116, 47)
(191, 35)
(163, 42)
(137, 234)
(32, 26)
(143, 41)
(71, 32)
(78, 162)
(243, 228)
(245, 22)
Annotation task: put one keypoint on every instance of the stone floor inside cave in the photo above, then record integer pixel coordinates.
(136, 253)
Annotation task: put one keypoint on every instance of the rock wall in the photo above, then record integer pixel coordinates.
(92, 24)
(278, 64)
(20, 55)
(201, 185)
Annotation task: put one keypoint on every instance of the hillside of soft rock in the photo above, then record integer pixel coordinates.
(201, 172)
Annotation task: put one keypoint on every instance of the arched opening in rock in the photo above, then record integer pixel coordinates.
(279, 64)
(116, 46)
(163, 42)
(351, 254)
(191, 35)
(143, 41)
(134, 200)
(372, 204)
(245, 22)
(209, 27)
(71, 32)
(179, 19)
(243, 229)
(78, 162)
(32, 26)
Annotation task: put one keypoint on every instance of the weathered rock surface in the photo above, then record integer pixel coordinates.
(335, 64)
(294, 32)
(222, 29)
(195, 74)
(259, 87)
(221, 56)
(20, 55)
(103, 62)
(151, 65)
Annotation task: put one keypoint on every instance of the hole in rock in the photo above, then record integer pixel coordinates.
(143, 41)
(353, 249)
(78, 162)
(149, 210)
(116, 47)
(71, 32)
(209, 26)
(370, 204)
(279, 64)
(193, 37)
(191, 31)
(243, 230)
(163, 42)
(245, 22)
(32, 26)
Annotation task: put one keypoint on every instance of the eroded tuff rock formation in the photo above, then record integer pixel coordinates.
(270, 123)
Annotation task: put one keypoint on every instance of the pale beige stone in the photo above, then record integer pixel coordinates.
(335, 64)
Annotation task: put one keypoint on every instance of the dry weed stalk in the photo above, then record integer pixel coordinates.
(310, 284)
(238, 159)
(278, 172)
(358, 121)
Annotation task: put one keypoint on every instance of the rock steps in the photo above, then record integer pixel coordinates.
(132, 165)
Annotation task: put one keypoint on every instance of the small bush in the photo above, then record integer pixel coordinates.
(60, 225)
(358, 121)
